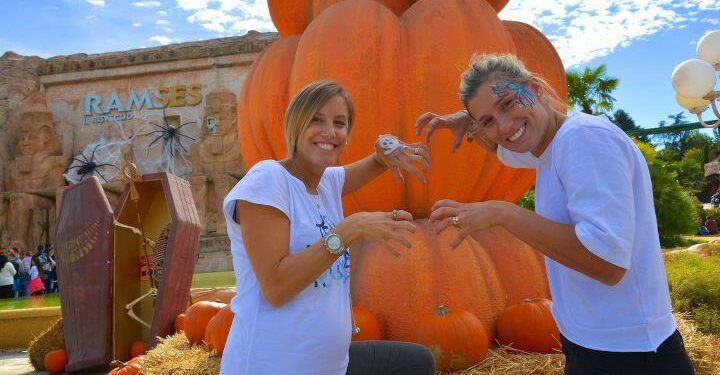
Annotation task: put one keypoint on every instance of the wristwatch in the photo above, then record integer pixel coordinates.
(334, 244)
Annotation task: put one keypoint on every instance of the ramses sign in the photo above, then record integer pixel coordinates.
(99, 109)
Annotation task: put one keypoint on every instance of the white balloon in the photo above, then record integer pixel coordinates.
(690, 103)
(708, 47)
(694, 78)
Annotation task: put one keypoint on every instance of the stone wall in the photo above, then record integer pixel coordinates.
(100, 113)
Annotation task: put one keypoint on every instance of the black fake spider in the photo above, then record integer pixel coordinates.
(169, 135)
(90, 166)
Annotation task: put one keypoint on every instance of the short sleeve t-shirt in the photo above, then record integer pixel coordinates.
(312, 331)
(594, 177)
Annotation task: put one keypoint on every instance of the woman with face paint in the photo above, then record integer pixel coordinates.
(594, 218)
(291, 248)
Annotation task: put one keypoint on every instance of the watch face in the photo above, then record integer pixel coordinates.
(334, 242)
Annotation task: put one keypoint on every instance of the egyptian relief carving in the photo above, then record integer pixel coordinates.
(32, 179)
(217, 164)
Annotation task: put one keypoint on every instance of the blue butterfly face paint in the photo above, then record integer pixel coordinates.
(524, 98)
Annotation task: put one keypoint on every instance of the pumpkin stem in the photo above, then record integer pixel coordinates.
(442, 310)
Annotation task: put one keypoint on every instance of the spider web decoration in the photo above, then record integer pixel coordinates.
(170, 138)
(100, 159)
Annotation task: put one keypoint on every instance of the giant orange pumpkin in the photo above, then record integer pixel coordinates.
(292, 16)
(395, 68)
(456, 338)
(529, 326)
(482, 276)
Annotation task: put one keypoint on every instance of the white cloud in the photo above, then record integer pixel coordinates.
(161, 13)
(161, 39)
(90, 17)
(584, 30)
(97, 3)
(146, 4)
(136, 24)
(162, 23)
(229, 16)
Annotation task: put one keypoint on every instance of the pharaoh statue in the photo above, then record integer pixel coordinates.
(217, 164)
(32, 179)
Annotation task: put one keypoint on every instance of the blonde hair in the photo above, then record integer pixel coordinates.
(503, 66)
(306, 104)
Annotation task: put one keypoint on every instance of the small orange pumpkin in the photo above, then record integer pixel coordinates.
(218, 329)
(366, 322)
(456, 338)
(55, 361)
(138, 348)
(197, 318)
(529, 326)
(131, 367)
(179, 322)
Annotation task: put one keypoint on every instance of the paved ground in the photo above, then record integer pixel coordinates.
(16, 363)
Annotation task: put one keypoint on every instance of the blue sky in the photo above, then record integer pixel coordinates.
(641, 41)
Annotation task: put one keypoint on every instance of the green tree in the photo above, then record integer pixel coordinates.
(676, 144)
(623, 120)
(591, 89)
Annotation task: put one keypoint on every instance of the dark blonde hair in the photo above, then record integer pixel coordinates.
(503, 66)
(307, 103)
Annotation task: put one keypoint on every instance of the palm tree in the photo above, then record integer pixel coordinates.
(591, 89)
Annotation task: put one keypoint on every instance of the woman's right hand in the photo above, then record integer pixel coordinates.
(458, 123)
(376, 226)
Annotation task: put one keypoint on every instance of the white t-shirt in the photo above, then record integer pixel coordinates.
(593, 176)
(310, 334)
(6, 274)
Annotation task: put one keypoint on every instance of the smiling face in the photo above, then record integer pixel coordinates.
(511, 115)
(325, 137)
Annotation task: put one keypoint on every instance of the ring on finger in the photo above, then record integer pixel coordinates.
(456, 221)
(395, 214)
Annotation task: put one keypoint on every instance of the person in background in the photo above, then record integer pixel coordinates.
(36, 285)
(711, 225)
(7, 272)
(25, 274)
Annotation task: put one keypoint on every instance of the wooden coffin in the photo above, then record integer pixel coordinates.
(84, 254)
(164, 204)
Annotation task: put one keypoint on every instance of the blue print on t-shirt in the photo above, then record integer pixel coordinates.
(340, 270)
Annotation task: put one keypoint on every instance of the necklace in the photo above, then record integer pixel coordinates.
(355, 330)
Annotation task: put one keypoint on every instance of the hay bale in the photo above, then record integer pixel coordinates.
(49, 340)
(174, 355)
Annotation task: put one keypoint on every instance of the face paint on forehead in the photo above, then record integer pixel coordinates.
(523, 96)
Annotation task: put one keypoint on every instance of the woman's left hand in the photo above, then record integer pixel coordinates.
(467, 217)
(396, 155)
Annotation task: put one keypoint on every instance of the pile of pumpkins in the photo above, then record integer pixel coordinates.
(457, 338)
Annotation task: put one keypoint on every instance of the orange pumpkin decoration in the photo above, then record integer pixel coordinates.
(55, 361)
(222, 295)
(482, 276)
(457, 338)
(131, 367)
(179, 322)
(197, 318)
(529, 326)
(138, 348)
(388, 65)
(293, 16)
(218, 329)
(366, 322)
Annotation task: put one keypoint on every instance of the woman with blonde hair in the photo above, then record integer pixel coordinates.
(291, 248)
(594, 220)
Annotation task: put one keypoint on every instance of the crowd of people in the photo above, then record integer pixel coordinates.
(24, 274)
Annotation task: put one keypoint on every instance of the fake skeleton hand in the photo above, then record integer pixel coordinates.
(391, 152)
